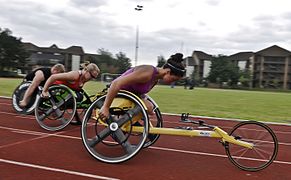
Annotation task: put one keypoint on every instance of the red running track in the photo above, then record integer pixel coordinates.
(29, 152)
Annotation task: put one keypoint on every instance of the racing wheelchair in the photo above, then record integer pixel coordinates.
(57, 111)
(250, 145)
(18, 94)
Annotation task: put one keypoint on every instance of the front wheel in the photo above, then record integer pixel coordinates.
(262, 154)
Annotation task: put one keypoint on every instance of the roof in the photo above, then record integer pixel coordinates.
(75, 49)
(30, 46)
(202, 55)
(54, 49)
(274, 51)
(241, 56)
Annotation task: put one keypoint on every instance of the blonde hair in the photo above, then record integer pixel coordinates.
(84, 64)
(59, 67)
(87, 66)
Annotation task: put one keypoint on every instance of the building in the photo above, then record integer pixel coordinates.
(71, 57)
(241, 59)
(272, 68)
(269, 68)
(199, 64)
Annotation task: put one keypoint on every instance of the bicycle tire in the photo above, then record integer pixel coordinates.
(262, 154)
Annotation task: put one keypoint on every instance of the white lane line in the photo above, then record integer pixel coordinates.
(59, 134)
(203, 117)
(206, 154)
(276, 132)
(18, 115)
(152, 147)
(40, 134)
(170, 122)
(57, 170)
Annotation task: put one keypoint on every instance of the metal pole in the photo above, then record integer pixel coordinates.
(138, 8)
(136, 44)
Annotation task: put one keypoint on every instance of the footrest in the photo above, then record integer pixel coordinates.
(184, 116)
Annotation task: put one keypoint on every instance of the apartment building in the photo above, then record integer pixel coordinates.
(269, 67)
(48, 56)
(199, 64)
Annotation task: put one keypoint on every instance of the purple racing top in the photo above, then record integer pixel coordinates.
(140, 88)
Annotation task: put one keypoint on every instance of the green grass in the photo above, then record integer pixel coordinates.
(251, 105)
(7, 86)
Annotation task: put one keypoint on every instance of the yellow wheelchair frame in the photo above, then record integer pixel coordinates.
(124, 133)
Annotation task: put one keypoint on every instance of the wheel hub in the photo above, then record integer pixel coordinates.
(113, 126)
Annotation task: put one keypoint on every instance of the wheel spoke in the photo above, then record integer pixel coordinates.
(62, 101)
(121, 139)
(59, 113)
(98, 138)
(45, 114)
(263, 152)
(129, 115)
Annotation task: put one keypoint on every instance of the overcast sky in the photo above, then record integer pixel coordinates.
(165, 26)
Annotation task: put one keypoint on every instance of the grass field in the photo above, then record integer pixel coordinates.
(251, 105)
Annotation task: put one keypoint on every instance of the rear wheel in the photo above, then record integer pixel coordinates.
(156, 120)
(265, 146)
(112, 140)
(18, 96)
(56, 112)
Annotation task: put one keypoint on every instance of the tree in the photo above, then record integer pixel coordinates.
(222, 70)
(106, 61)
(245, 77)
(106, 57)
(12, 54)
(123, 62)
(161, 61)
(109, 64)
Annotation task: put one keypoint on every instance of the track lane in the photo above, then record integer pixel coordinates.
(172, 157)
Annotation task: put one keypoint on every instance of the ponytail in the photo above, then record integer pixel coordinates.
(85, 64)
(174, 63)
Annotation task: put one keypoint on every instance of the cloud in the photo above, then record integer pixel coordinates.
(213, 2)
(212, 26)
(88, 4)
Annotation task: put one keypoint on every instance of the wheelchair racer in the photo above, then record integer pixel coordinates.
(75, 80)
(39, 77)
(141, 79)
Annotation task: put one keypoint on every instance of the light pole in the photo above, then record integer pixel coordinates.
(137, 8)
